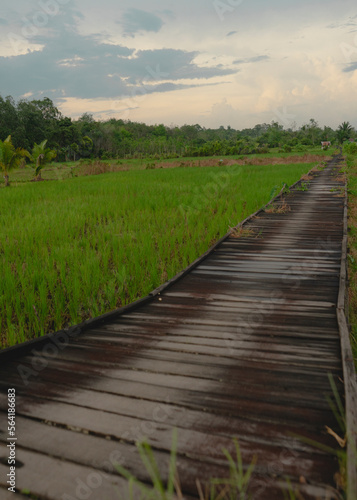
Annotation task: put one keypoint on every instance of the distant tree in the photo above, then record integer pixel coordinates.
(344, 132)
(86, 123)
(274, 134)
(10, 157)
(74, 149)
(67, 132)
(9, 120)
(86, 146)
(160, 130)
(40, 156)
(328, 134)
(48, 109)
(310, 133)
(32, 123)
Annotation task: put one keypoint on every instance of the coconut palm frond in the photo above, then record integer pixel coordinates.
(10, 157)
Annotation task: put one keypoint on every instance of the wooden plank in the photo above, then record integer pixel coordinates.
(144, 383)
(149, 418)
(90, 357)
(230, 321)
(282, 411)
(241, 341)
(131, 430)
(202, 366)
(230, 351)
(53, 479)
(248, 300)
(44, 474)
(236, 309)
(298, 334)
(102, 455)
(304, 381)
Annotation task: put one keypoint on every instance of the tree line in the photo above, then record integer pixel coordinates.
(30, 122)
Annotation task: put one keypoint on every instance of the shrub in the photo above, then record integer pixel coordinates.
(350, 148)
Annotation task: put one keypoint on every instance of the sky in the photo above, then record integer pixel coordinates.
(213, 62)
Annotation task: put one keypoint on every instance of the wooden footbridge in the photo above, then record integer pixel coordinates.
(250, 342)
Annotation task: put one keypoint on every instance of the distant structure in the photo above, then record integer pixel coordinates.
(325, 144)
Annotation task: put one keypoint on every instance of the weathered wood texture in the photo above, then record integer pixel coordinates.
(243, 345)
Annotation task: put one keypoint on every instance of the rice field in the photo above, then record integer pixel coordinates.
(74, 249)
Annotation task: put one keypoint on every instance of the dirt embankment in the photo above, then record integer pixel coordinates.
(216, 162)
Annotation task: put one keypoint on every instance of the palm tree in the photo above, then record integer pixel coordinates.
(10, 157)
(40, 156)
(344, 132)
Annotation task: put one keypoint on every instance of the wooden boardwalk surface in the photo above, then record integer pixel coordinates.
(243, 345)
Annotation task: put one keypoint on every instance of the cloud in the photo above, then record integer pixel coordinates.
(251, 60)
(231, 33)
(173, 64)
(135, 20)
(84, 66)
(350, 68)
(223, 113)
(3, 22)
(351, 22)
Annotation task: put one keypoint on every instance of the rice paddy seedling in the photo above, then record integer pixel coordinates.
(237, 484)
(159, 490)
(233, 487)
(74, 249)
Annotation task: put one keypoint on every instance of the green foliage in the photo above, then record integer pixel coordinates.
(344, 132)
(236, 486)
(10, 157)
(159, 491)
(233, 487)
(350, 148)
(40, 156)
(304, 186)
(352, 244)
(29, 121)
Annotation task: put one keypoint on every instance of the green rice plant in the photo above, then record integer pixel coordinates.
(75, 249)
(234, 487)
(159, 490)
(291, 493)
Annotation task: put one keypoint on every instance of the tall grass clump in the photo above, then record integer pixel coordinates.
(73, 249)
(351, 159)
(233, 487)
